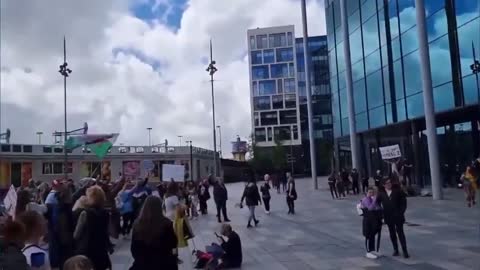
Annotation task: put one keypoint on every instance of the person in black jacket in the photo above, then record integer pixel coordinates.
(394, 203)
(265, 189)
(220, 196)
(154, 242)
(203, 196)
(291, 195)
(355, 181)
(332, 181)
(252, 198)
(232, 248)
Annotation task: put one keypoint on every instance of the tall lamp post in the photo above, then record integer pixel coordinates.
(39, 134)
(191, 159)
(180, 139)
(211, 69)
(220, 140)
(149, 136)
(475, 67)
(65, 71)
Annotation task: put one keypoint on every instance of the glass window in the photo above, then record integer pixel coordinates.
(268, 56)
(260, 135)
(267, 87)
(295, 132)
(27, 149)
(261, 103)
(336, 13)
(377, 117)
(345, 127)
(359, 98)
(375, 90)
(330, 27)
(415, 106)
(397, 71)
(368, 9)
(357, 71)
(279, 70)
(466, 11)
(355, 46)
(465, 39)
(382, 30)
(278, 40)
(260, 72)
(443, 97)
(354, 20)
(407, 15)
(389, 113)
(290, 101)
(289, 39)
(254, 88)
(282, 133)
(342, 84)
(412, 73)
(335, 107)
(433, 5)
(361, 122)
(337, 129)
(256, 119)
(284, 54)
(333, 84)
(343, 102)
(262, 42)
(372, 62)
(291, 70)
(352, 6)
(440, 63)
(289, 86)
(370, 35)
(384, 53)
(269, 134)
(470, 89)
(256, 57)
(332, 61)
(386, 86)
(437, 24)
(280, 86)
(410, 41)
(268, 118)
(401, 113)
(252, 42)
(392, 12)
(396, 53)
(340, 57)
(288, 117)
(277, 102)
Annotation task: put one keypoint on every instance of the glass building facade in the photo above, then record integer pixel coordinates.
(387, 83)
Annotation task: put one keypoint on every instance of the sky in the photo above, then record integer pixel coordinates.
(136, 64)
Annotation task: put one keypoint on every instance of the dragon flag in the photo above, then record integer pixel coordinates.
(98, 143)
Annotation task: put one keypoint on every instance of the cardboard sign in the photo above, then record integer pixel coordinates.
(390, 152)
(175, 172)
(10, 201)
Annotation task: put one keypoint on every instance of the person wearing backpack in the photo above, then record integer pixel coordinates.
(35, 229)
(11, 242)
(252, 199)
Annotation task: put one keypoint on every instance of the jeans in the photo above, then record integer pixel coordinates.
(291, 205)
(266, 202)
(355, 187)
(127, 222)
(333, 191)
(251, 208)
(395, 228)
(221, 207)
(203, 207)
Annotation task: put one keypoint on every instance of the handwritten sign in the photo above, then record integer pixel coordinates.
(10, 201)
(390, 152)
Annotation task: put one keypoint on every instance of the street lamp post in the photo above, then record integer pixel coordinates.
(191, 159)
(180, 139)
(211, 69)
(149, 136)
(39, 134)
(220, 140)
(475, 67)
(65, 71)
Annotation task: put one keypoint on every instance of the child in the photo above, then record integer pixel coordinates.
(372, 222)
(78, 263)
(35, 229)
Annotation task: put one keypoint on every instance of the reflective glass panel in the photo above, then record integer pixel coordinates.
(279, 70)
(259, 72)
(375, 90)
(268, 56)
(440, 63)
(359, 96)
(284, 54)
(256, 57)
(401, 113)
(361, 122)
(443, 97)
(415, 106)
(413, 77)
(372, 62)
(397, 71)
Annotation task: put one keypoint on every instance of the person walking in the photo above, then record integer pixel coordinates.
(91, 232)
(344, 175)
(203, 196)
(332, 181)
(252, 199)
(183, 232)
(220, 196)
(265, 190)
(193, 198)
(291, 195)
(394, 204)
(372, 223)
(153, 239)
(171, 200)
(355, 181)
(365, 182)
(340, 187)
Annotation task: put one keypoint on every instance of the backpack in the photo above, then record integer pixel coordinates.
(12, 258)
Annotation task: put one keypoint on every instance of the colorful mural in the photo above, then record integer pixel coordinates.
(26, 173)
(131, 169)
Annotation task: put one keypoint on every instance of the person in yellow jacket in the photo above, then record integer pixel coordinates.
(184, 232)
(470, 181)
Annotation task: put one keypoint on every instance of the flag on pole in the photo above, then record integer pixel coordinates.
(99, 143)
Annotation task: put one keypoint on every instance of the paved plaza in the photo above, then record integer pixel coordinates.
(326, 234)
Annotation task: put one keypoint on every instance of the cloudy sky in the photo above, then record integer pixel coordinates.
(136, 64)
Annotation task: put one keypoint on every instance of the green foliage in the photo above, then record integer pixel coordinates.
(279, 156)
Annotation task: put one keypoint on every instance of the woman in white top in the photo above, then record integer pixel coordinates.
(24, 203)
(171, 200)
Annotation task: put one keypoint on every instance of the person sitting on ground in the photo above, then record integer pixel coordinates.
(78, 262)
(35, 229)
(232, 247)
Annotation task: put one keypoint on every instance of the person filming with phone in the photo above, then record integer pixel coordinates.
(232, 258)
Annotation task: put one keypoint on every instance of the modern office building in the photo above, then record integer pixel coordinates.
(278, 93)
(387, 82)
(21, 162)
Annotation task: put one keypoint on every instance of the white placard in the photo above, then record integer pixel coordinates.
(175, 172)
(10, 201)
(391, 152)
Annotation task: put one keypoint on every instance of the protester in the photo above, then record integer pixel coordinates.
(153, 239)
(171, 200)
(78, 262)
(193, 198)
(91, 232)
(35, 229)
(291, 195)
(11, 256)
(183, 232)
(378, 179)
(344, 176)
(124, 204)
(24, 203)
(232, 248)
(394, 204)
(332, 180)
(140, 194)
(265, 190)
(372, 222)
(252, 198)
(365, 184)
(203, 196)
(355, 181)
(220, 196)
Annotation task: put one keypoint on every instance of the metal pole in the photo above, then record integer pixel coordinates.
(475, 70)
(428, 101)
(65, 164)
(220, 140)
(180, 139)
(348, 79)
(191, 160)
(39, 133)
(212, 70)
(291, 154)
(313, 158)
(149, 136)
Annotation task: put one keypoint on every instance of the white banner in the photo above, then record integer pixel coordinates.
(10, 201)
(390, 152)
(175, 172)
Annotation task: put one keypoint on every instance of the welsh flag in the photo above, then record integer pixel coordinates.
(99, 143)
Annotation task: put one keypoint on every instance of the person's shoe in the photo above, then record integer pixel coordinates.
(219, 221)
(371, 256)
(227, 220)
(256, 222)
(376, 253)
(395, 254)
(406, 255)
(268, 212)
(249, 226)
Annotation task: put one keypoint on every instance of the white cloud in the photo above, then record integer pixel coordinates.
(119, 92)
